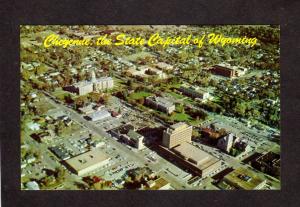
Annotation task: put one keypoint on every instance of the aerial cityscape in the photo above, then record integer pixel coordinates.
(176, 117)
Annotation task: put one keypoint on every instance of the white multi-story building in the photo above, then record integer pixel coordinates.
(85, 87)
(195, 92)
(103, 84)
(161, 104)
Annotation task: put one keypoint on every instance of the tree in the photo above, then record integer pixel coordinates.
(68, 99)
(105, 98)
(60, 174)
(25, 75)
(195, 133)
(240, 108)
(59, 127)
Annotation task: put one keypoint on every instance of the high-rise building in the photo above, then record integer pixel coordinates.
(177, 134)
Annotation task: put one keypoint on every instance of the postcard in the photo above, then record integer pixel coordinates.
(150, 107)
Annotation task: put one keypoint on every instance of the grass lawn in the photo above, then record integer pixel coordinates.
(189, 101)
(139, 95)
(60, 94)
(176, 95)
(195, 122)
(180, 117)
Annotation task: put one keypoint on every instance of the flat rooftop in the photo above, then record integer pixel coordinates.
(83, 83)
(100, 114)
(164, 65)
(244, 178)
(196, 89)
(196, 155)
(161, 101)
(179, 126)
(104, 79)
(159, 183)
(134, 135)
(87, 159)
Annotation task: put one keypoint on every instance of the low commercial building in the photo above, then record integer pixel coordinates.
(134, 139)
(244, 178)
(128, 135)
(33, 126)
(60, 152)
(153, 71)
(268, 163)
(99, 115)
(119, 131)
(164, 66)
(242, 146)
(205, 162)
(87, 162)
(145, 71)
(158, 184)
(87, 109)
(44, 136)
(32, 185)
(177, 134)
(161, 104)
(136, 72)
(191, 158)
(212, 136)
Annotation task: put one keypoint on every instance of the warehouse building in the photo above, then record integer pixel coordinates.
(87, 162)
(99, 115)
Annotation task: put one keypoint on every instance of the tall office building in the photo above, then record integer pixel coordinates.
(177, 134)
